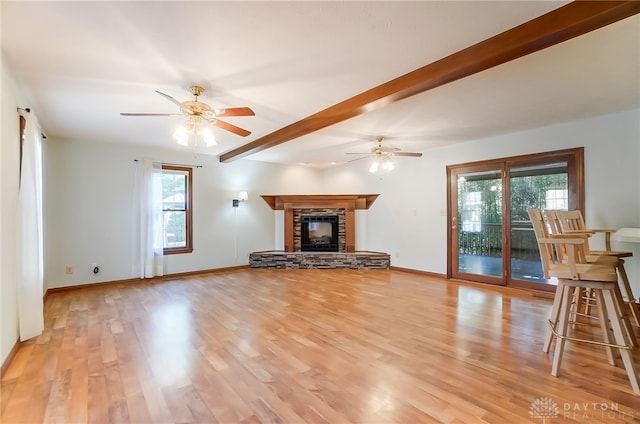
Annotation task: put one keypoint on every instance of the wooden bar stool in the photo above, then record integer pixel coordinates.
(545, 225)
(564, 258)
(572, 223)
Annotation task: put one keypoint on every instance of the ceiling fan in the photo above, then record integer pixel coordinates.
(195, 111)
(383, 155)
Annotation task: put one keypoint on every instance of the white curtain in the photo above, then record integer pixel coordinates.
(148, 195)
(30, 240)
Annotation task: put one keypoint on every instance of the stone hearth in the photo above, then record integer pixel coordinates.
(319, 260)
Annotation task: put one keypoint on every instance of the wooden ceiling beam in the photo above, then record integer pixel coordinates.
(567, 22)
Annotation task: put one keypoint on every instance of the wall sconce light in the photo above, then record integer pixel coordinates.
(242, 197)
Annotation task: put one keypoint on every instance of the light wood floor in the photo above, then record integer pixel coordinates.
(306, 346)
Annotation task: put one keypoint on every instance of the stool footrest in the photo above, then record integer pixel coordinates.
(594, 342)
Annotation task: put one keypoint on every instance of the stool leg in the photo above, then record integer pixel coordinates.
(576, 304)
(627, 293)
(583, 302)
(589, 301)
(624, 316)
(561, 329)
(607, 335)
(621, 339)
(553, 318)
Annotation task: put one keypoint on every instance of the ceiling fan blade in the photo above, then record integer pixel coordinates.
(235, 111)
(150, 114)
(357, 153)
(357, 159)
(230, 127)
(415, 155)
(171, 99)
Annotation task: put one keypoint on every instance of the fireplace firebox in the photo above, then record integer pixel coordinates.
(319, 233)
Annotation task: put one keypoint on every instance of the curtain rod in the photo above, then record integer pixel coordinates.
(175, 164)
(28, 110)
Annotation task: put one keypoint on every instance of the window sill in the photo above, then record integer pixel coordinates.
(178, 251)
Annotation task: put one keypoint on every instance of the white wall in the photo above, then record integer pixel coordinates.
(89, 196)
(12, 98)
(407, 219)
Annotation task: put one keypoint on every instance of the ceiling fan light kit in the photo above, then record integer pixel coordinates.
(197, 131)
(383, 156)
(194, 133)
(384, 162)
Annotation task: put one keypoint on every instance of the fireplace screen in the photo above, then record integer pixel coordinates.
(319, 233)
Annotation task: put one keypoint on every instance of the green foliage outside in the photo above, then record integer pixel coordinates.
(530, 192)
(526, 192)
(485, 237)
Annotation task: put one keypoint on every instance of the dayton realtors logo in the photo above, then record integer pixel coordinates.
(546, 408)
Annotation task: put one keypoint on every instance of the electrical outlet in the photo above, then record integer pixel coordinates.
(68, 269)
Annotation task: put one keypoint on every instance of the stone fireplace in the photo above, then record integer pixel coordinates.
(340, 205)
(319, 232)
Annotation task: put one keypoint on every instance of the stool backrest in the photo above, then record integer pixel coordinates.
(553, 220)
(559, 254)
(570, 221)
(547, 252)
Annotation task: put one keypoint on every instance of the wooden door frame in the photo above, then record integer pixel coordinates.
(575, 169)
(452, 220)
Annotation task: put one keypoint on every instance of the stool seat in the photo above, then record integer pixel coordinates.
(584, 272)
(614, 253)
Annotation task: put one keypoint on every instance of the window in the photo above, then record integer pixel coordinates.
(470, 214)
(557, 199)
(176, 209)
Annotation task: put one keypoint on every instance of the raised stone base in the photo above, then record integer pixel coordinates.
(327, 260)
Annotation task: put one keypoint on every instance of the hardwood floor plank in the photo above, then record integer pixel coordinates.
(305, 346)
(155, 403)
(199, 410)
(98, 401)
(21, 360)
(77, 403)
(56, 410)
(138, 410)
(177, 405)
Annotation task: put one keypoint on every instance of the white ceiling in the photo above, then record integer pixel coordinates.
(82, 63)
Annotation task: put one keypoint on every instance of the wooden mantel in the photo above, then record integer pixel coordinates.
(348, 202)
(308, 201)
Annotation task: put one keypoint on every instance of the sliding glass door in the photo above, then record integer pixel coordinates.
(477, 227)
(490, 236)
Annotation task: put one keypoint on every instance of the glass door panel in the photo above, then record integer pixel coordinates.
(541, 186)
(479, 225)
